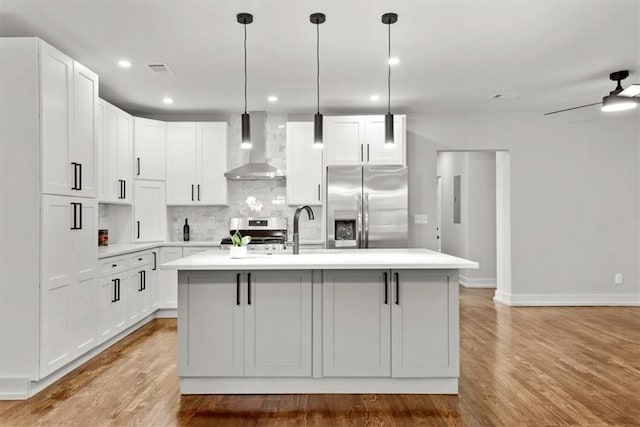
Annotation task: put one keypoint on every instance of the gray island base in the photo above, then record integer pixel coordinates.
(371, 321)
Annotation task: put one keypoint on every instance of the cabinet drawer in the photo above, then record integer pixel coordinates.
(111, 266)
(138, 259)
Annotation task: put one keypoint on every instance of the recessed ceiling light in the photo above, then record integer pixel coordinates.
(167, 100)
(272, 98)
(375, 97)
(123, 63)
(280, 126)
(394, 61)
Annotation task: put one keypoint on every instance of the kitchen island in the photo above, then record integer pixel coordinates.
(329, 321)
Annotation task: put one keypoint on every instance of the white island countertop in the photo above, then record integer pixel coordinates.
(325, 260)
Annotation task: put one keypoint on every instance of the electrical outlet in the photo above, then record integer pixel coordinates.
(618, 278)
(420, 219)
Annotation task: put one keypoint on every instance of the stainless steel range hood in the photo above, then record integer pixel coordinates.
(257, 168)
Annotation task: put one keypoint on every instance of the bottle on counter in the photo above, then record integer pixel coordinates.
(186, 230)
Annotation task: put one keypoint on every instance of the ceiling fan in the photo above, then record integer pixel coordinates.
(618, 99)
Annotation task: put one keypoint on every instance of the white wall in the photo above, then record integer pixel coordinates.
(454, 236)
(575, 211)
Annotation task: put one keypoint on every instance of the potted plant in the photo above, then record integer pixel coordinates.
(239, 245)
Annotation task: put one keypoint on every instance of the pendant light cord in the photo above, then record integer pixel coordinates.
(389, 72)
(318, 64)
(245, 67)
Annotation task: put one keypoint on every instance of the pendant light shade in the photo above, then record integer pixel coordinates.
(317, 19)
(388, 19)
(245, 19)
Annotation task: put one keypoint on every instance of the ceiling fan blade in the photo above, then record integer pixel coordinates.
(573, 108)
(631, 91)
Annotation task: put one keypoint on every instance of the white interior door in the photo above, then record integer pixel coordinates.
(278, 324)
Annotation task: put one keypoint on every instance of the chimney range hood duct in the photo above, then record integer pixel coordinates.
(257, 168)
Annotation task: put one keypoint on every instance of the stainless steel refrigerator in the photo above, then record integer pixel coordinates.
(367, 207)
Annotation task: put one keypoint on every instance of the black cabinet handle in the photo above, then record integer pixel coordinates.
(362, 152)
(121, 196)
(192, 199)
(118, 289)
(138, 166)
(138, 233)
(155, 260)
(114, 265)
(140, 283)
(115, 290)
(249, 288)
(74, 165)
(124, 188)
(386, 287)
(238, 289)
(79, 177)
(397, 288)
(367, 152)
(144, 280)
(198, 192)
(77, 216)
(319, 192)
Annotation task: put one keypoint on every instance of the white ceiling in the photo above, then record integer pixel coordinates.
(454, 55)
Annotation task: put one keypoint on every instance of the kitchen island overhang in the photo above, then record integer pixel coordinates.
(363, 321)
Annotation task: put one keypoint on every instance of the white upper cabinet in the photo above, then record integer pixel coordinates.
(197, 154)
(304, 166)
(116, 150)
(359, 140)
(150, 149)
(150, 211)
(68, 110)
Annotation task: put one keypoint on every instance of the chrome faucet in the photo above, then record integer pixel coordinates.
(296, 234)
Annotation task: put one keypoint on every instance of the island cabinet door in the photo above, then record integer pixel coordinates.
(356, 323)
(210, 324)
(278, 324)
(424, 321)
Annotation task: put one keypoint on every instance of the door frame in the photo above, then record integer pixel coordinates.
(503, 220)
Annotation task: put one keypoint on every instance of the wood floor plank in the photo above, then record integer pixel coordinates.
(520, 366)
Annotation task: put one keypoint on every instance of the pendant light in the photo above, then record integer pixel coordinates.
(317, 19)
(388, 19)
(244, 19)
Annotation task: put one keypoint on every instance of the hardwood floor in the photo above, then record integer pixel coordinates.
(519, 366)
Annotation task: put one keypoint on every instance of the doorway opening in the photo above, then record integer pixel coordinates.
(474, 215)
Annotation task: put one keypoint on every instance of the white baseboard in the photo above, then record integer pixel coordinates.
(23, 388)
(472, 282)
(165, 313)
(558, 300)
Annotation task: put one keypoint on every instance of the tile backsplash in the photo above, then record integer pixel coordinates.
(211, 223)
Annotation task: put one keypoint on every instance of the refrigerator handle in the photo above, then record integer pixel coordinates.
(359, 221)
(365, 213)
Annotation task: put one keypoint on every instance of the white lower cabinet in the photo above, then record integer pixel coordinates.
(254, 324)
(356, 324)
(168, 284)
(424, 324)
(154, 280)
(127, 292)
(69, 280)
(398, 323)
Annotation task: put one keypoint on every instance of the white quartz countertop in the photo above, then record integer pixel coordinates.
(325, 259)
(126, 248)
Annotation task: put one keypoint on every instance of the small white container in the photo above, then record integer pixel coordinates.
(238, 251)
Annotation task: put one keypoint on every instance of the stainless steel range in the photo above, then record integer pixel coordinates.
(268, 235)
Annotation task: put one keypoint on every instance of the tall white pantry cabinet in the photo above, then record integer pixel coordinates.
(48, 212)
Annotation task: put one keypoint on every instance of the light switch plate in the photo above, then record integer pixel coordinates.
(618, 278)
(420, 219)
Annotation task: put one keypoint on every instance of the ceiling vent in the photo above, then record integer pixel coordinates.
(160, 68)
(504, 95)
